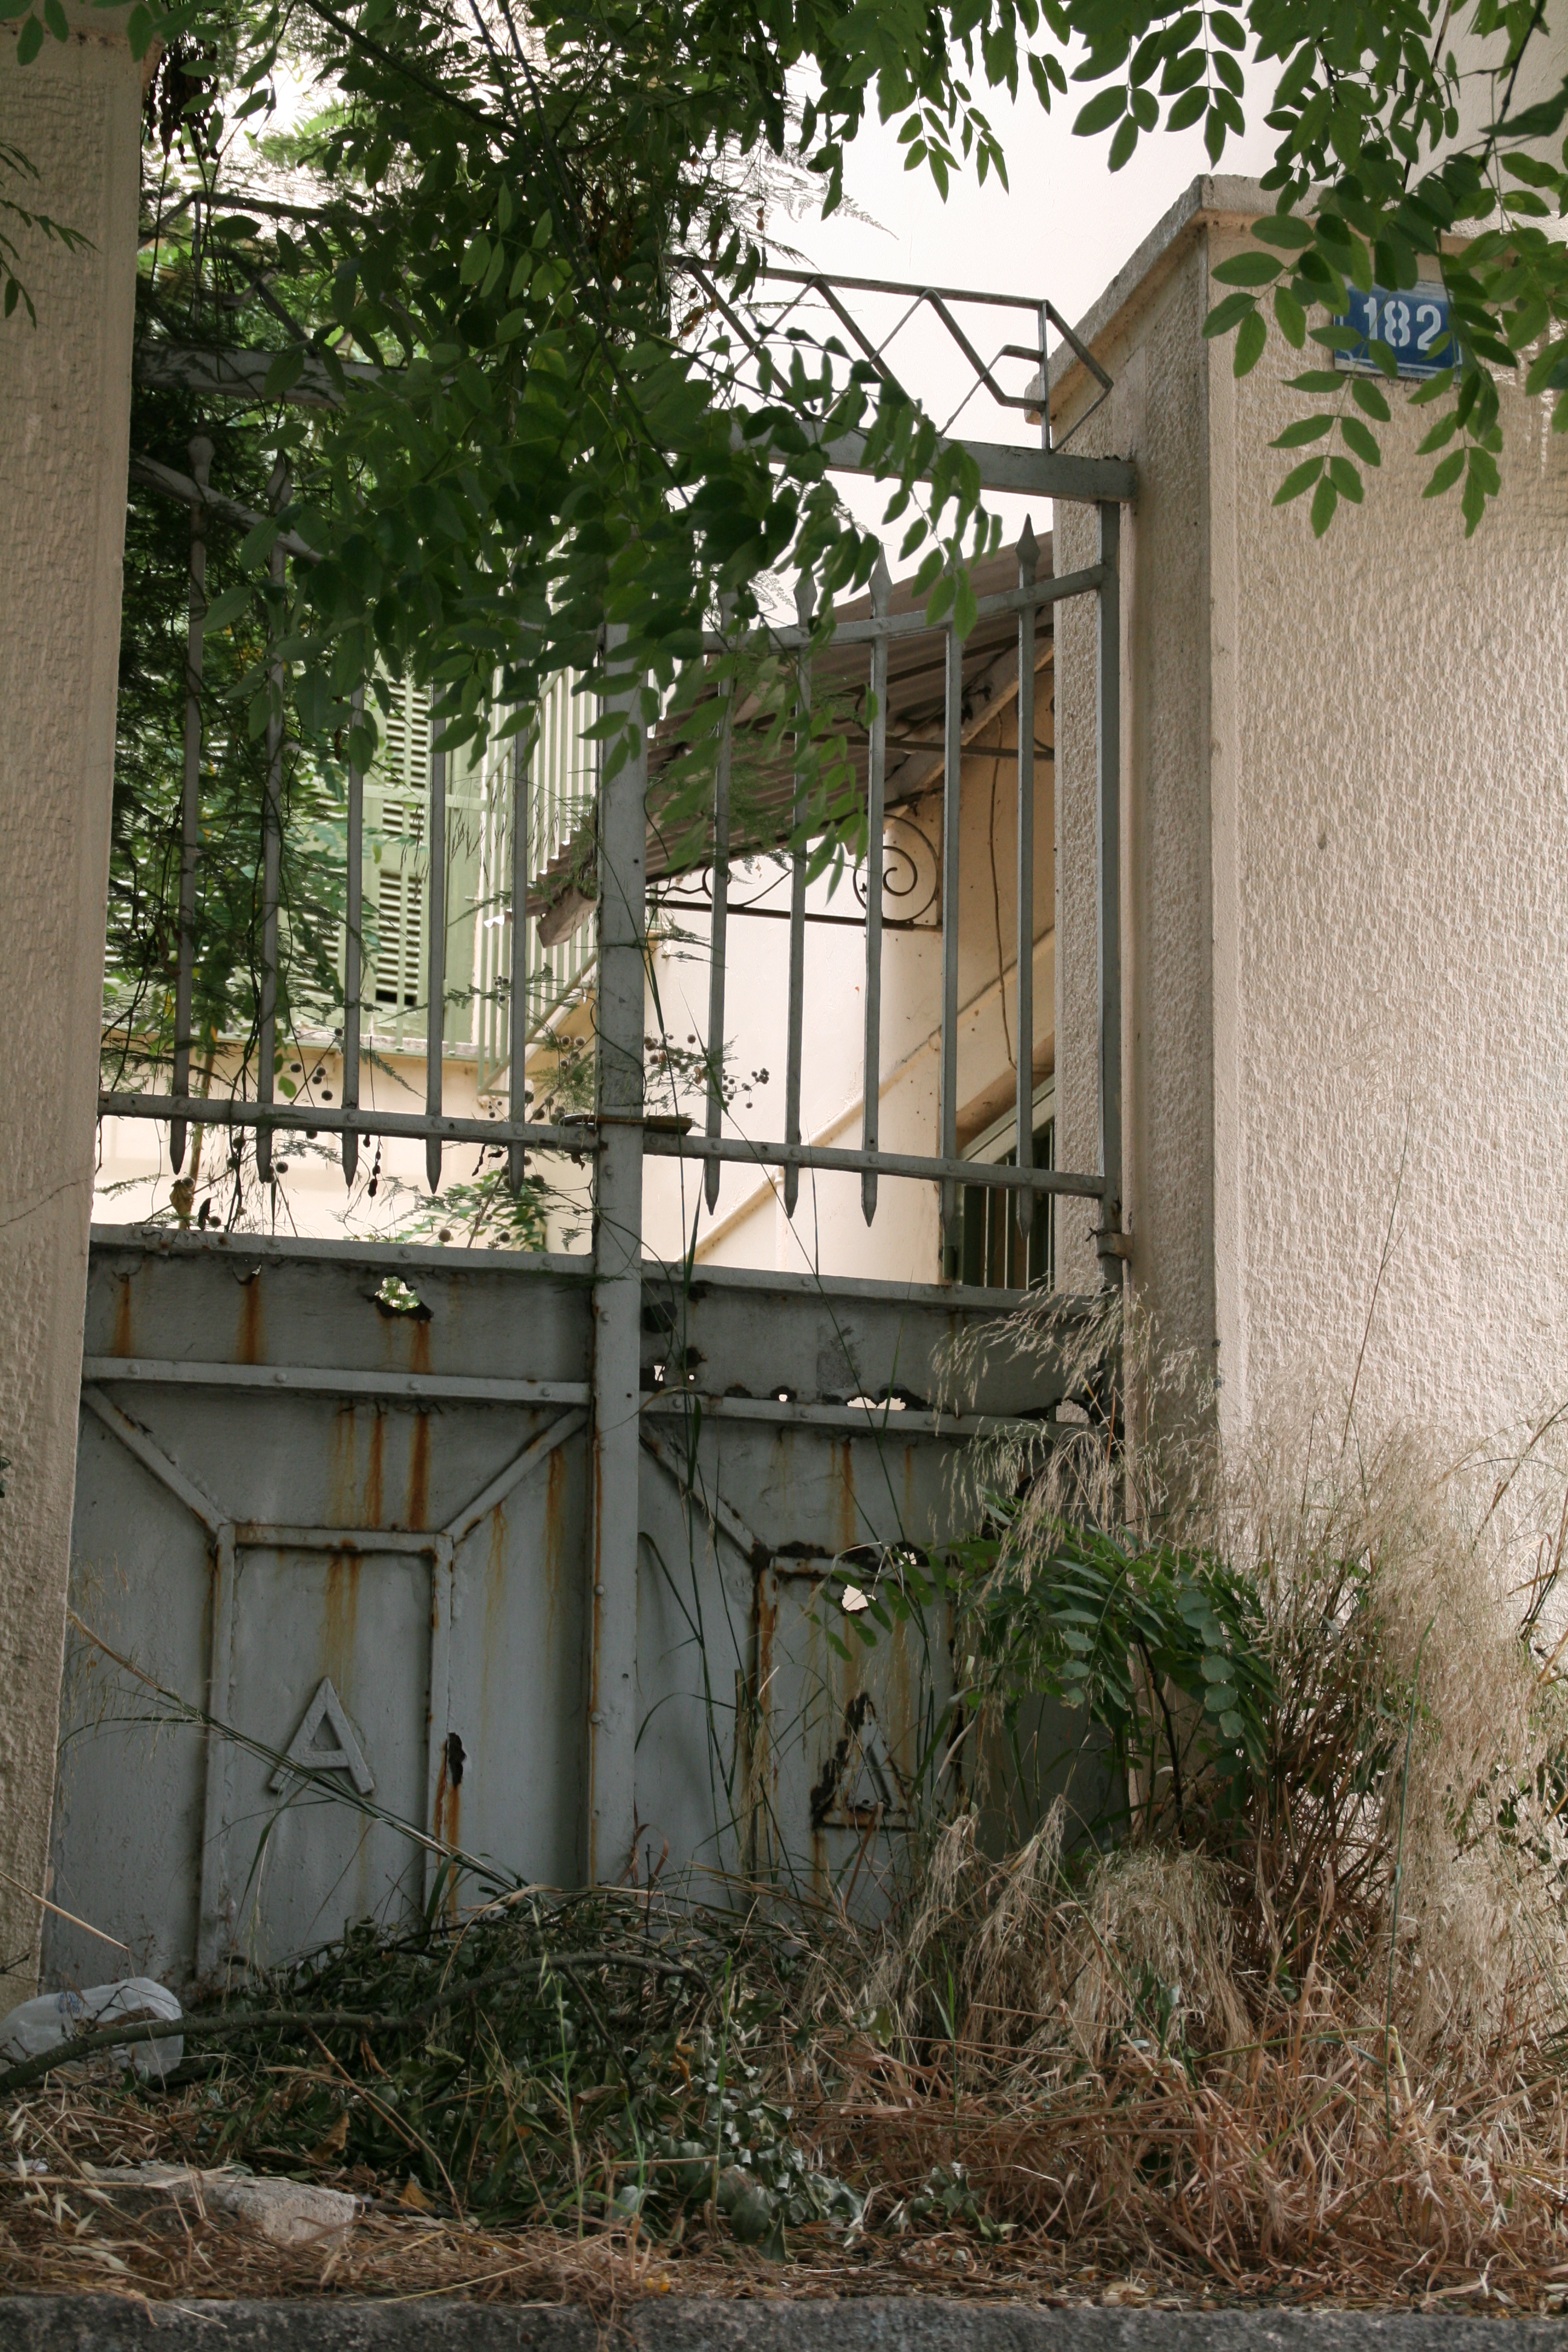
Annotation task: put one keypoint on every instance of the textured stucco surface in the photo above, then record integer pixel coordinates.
(1400, 915)
(1153, 418)
(65, 393)
(1346, 798)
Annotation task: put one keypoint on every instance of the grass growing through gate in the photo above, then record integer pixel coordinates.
(1293, 2023)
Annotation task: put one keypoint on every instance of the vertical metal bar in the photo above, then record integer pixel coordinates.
(875, 771)
(190, 798)
(1045, 318)
(354, 948)
(718, 945)
(1107, 882)
(952, 820)
(517, 995)
(1024, 1202)
(271, 868)
(797, 901)
(435, 948)
(618, 1290)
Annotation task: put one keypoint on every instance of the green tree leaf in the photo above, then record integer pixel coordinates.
(1100, 112)
(1249, 269)
(1305, 429)
(1325, 499)
(1249, 343)
(1359, 437)
(1300, 478)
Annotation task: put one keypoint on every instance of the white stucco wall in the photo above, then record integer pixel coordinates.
(65, 395)
(1345, 795)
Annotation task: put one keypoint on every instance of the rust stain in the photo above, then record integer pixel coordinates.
(340, 1618)
(848, 1518)
(374, 1469)
(125, 1328)
(767, 1626)
(421, 1344)
(419, 1471)
(447, 1827)
(252, 1322)
(554, 1533)
(345, 1448)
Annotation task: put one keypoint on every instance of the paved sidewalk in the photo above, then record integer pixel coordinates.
(887, 2323)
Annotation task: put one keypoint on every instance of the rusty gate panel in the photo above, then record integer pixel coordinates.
(129, 1802)
(855, 1725)
(329, 1657)
(695, 1642)
(334, 1500)
(511, 1789)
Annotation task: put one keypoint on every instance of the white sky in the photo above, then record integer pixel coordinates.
(1061, 230)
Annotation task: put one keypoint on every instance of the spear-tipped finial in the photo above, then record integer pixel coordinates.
(803, 600)
(882, 582)
(1029, 550)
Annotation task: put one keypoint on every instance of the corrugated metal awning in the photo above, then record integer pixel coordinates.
(764, 798)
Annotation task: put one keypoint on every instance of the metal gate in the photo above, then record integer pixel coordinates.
(539, 1558)
(300, 1507)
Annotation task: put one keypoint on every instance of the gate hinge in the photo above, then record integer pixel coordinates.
(1110, 1242)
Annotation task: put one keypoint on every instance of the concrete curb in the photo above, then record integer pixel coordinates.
(879, 2323)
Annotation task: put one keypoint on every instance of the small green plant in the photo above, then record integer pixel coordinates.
(1164, 1648)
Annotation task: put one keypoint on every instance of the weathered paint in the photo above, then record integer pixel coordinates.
(512, 1649)
(251, 1341)
(375, 1468)
(124, 1317)
(849, 1531)
(342, 1475)
(555, 1536)
(340, 1621)
(418, 1472)
(495, 1605)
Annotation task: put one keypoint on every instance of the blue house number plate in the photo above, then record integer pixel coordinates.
(1415, 324)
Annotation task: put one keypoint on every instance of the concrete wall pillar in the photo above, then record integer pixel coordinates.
(1346, 903)
(65, 405)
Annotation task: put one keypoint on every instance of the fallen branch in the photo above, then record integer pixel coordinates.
(235, 2027)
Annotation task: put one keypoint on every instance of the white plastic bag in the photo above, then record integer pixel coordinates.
(43, 2024)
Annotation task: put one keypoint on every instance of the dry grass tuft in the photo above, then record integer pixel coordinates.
(1312, 2040)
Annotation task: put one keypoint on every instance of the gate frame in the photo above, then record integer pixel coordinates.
(619, 1138)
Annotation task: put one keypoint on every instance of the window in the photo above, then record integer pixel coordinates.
(399, 787)
(992, 1252)
(399, 936)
